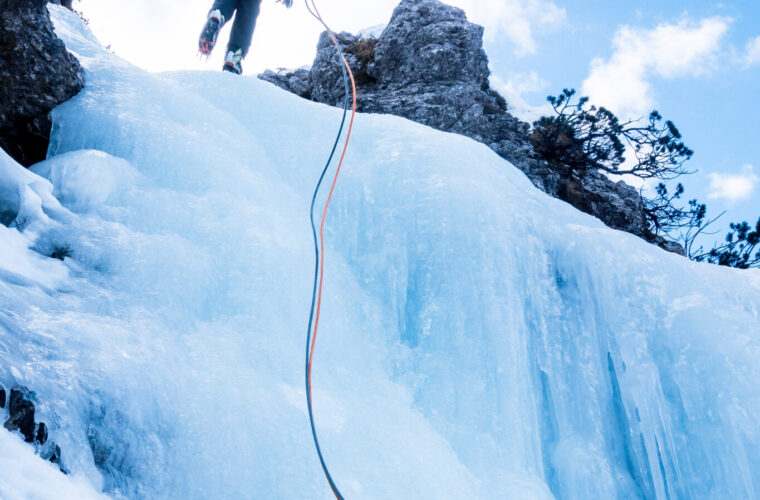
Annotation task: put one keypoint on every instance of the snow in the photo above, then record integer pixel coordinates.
(24, 476)
(24, 200)
(372, 32)
(479, 339)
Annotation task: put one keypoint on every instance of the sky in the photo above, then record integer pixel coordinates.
(695, 61)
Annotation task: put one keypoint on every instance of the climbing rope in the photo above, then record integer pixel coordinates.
(319, 246)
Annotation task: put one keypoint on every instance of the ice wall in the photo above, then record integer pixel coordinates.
(479, 339)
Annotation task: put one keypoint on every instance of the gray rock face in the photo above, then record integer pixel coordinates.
(36, 74)
(429, 42)
(597, 194)
(429, 66)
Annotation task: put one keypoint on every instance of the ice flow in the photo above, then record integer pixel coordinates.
(479, 339)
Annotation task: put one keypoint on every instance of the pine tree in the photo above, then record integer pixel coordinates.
(589, 137)
(741, 249)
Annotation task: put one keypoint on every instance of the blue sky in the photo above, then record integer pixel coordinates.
(697, 62)
(712, 101)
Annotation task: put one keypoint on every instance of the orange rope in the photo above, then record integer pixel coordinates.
(327, 205)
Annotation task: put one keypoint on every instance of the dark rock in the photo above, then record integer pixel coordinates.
(21, 413)
(595, 193)
(429, 66)
(37, 73)
(60, 253)
(66, 3)
(297, 82)
(52, 453)
(42, 433)
(670, 246)
(56, 455)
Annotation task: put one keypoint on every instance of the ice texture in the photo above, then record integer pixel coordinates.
(479, 339)
(23, 476)
(24, 197)
(86, 180)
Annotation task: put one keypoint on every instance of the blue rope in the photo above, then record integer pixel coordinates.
(316, 273)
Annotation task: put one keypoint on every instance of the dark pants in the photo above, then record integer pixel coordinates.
(246, 12)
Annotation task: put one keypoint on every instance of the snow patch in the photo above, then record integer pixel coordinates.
(372, 32)
(25, 476)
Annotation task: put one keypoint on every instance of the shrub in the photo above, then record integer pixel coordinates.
(590, 137)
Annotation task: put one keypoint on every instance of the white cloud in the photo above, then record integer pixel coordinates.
(734, 187)
(516, 20)
(752, 54)
(514, 91)
(622, 83)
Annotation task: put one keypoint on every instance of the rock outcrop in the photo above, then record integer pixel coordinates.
(19, 403)
(37, 73)
(429, 66)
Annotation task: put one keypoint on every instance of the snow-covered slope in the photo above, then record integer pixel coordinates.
(479, 339)
(23, 476)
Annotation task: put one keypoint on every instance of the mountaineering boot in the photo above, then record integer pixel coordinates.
(210, 32)
(232, 61)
